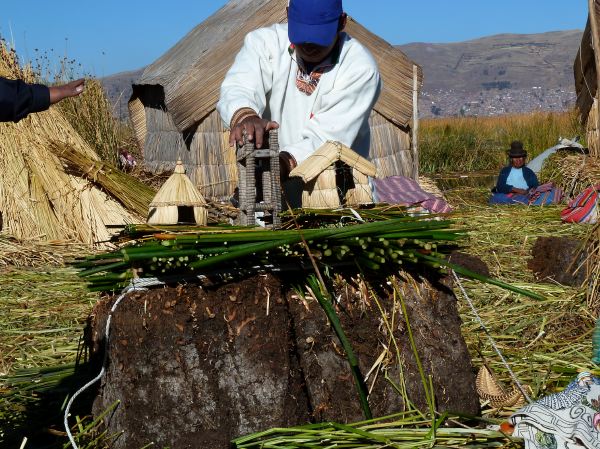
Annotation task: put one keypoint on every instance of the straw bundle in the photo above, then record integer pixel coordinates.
(38, 200)
(21, 253)
(573, 172)
(131, 193)
(178, 193)
(91, 116)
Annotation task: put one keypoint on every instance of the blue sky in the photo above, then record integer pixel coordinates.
(110, 36)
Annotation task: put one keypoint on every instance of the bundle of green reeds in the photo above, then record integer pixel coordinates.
(131, 193)
(380, 247)
(406, 430)
(371, 245)
(312, 218)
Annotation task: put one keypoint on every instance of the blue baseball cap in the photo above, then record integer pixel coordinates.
(313, 21)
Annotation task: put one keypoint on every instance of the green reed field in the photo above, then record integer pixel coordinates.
(466, 144)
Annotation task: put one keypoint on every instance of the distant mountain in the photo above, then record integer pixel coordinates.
(499, 74)
(505, 73)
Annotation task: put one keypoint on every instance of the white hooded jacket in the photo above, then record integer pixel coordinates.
(263, 77)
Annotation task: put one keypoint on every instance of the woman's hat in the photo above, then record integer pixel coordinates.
(516, 149)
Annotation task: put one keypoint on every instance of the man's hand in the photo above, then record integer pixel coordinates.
(520, 191)
(72, 89)
(255, 128)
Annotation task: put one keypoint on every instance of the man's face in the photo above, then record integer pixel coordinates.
(517, 162)
(313, 53)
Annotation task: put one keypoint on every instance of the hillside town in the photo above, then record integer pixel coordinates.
(493, 102)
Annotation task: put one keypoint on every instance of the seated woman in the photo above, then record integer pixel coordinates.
(518, 184)
(515, 182)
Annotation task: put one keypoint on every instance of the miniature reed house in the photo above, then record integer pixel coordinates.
(178, 201)
(333, 176)
(258, 182)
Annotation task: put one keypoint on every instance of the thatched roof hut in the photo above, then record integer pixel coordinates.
(335, 175)
(173, 104)
(587, 75)
(178, 201)
(38, 198)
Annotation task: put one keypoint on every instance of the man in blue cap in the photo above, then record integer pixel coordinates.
(306, 78)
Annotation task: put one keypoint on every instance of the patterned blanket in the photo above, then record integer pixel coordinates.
(569, 419)
(584, 207)
(407, 192)
(540, 196)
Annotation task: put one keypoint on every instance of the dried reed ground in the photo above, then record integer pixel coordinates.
(545, 342)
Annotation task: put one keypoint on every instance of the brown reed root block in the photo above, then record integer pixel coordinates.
(198, 366)
(558, 259)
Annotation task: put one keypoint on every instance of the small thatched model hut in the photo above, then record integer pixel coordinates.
(335, 175)
(173, 104)
(38, 198)
(178, 201)
(587, 75)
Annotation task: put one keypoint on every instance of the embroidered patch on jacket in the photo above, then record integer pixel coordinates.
(307, 82)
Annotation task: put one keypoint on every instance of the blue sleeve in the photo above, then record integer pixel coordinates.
(530, 178)
(18, 99)
(501, 185)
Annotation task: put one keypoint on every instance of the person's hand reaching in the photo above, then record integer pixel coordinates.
(72, 89)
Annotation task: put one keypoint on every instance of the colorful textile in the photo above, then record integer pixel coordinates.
(584, 207)
(307, 82)
(546, 194)
(308, 76)
(569, 419)
(508, 198)
(407, 192)
(539, 196)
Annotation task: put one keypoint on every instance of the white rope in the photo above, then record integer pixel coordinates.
(136, 284)
(491, 339)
